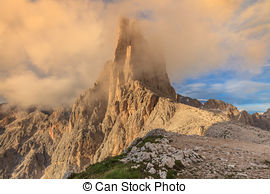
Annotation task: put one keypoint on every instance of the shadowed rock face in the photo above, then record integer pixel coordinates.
(228, 109)
(132, 96)
(108, 117)
(257, 120)
(29, 140)
(189, 101)
(103, 121)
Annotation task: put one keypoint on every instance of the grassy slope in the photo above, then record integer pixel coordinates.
(113, 168)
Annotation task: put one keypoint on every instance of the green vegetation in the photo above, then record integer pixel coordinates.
(113, 168)
(171, 174)
(110, 168)
(179, 165)
(151, 139)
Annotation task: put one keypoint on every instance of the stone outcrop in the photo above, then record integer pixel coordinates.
(132, 96)
(28, 142)
(159, 156)
(116, 109)
(189, 101)
(261, 120)
(228, 109)
(246, 118)
(164, 154)
(257, 120)
(132, 93)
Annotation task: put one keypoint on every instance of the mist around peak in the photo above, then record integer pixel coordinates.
(53, 50)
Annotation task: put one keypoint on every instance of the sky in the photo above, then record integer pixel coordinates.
(52, 50)
(245, 91)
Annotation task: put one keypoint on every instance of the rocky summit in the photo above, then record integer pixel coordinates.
(163, 154)
(131, 97)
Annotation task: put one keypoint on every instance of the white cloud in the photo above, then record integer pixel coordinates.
(256, 107)
(190, 89)
(72, 39)
(240, 88)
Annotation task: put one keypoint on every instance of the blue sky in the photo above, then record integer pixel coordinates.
(243, 89)
(213, 48)
(247, 88)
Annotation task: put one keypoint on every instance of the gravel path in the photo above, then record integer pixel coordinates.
(224, 158)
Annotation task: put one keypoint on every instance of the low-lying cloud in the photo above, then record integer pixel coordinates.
(51, 50)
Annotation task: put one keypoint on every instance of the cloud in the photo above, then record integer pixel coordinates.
(238, 92)
(28, 88)
(192, 89)
(49, 50)
(53, 49)
(241, 88)
(256, 107)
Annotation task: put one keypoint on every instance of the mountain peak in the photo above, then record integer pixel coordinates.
(128, 35)
(135, 60)
(132, 92)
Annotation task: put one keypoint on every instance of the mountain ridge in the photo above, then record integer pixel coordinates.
(131, 96)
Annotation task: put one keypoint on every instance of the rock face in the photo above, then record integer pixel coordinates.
(230, 110)
(115, 110)
(189, 101)
(28, 142)
(132, 93)
(246, 118)
(261, 120)
(160, 155)
(164, 154)
(132, 96)
(257, 120)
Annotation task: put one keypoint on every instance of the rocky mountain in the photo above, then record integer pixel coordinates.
(27, 141)
(131, 97)
(189, 101)
(163, 154)
(261, 121)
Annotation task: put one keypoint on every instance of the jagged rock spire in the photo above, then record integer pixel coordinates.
(135, 60)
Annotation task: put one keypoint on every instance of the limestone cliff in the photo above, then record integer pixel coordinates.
(132, 96)
(108, 117)
(189, 101)
(261, 121)
(228, 109)
(28, 140)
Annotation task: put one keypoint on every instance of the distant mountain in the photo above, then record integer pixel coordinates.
(132, 96)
